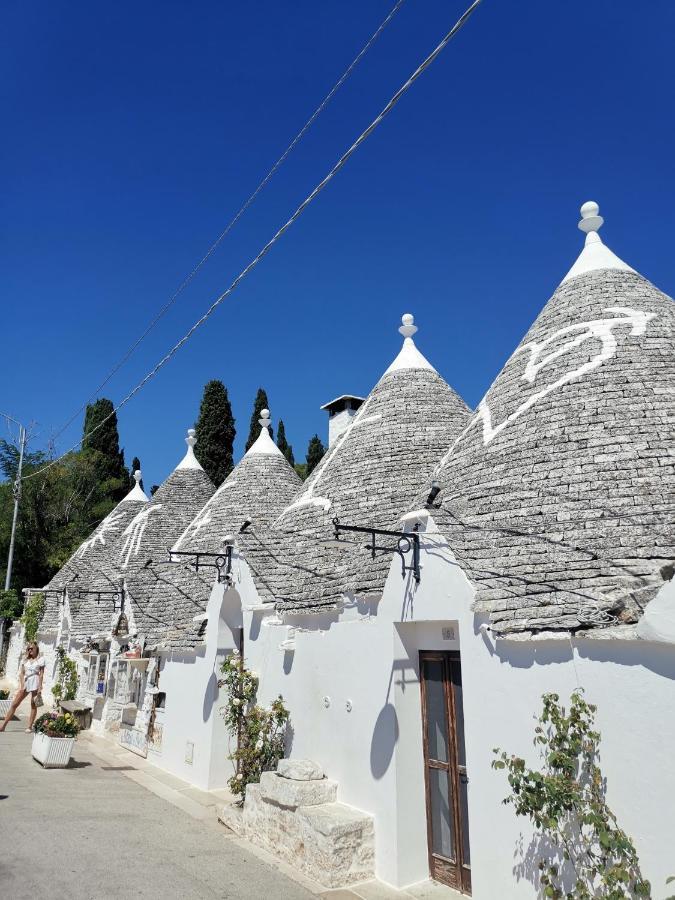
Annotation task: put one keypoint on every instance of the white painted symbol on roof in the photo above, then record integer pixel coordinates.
(133, 533)
(108, 525)
(599, 328)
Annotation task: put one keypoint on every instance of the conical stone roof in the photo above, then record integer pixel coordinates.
(146, 539)
(558, 496)
(93, 554)
(259, 487)
(368, 477)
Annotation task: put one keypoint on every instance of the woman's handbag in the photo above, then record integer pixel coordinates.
(38, 701)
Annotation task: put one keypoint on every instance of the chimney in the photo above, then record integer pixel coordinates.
(340, 413)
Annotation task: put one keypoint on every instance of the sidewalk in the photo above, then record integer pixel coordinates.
(105, 828)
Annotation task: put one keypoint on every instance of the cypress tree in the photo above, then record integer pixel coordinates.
(283, 444)
(315, 452)
(101, 443)
(135, 467)
(261, 403)
(215, 433)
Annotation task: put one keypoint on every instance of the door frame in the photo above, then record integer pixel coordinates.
(457, 873)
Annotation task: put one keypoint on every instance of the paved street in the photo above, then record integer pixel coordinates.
(90, 832)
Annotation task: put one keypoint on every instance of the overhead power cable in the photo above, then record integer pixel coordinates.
(342, 161)
(186, 281)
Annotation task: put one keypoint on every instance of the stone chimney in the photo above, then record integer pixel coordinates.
(340, 413)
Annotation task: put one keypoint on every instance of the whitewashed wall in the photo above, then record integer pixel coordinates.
(369, 657)
(195, 743)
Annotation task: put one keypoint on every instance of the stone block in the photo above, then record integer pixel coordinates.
(299, 769)
(284, 792)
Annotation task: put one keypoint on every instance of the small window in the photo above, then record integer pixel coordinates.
(96, 675)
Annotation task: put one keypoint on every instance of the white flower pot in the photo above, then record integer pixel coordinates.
(4, 707)
(52, 752)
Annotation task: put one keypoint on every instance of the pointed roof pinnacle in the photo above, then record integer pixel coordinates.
(409, 356)
(189, 461)
(264, 443)
(137, 492)
(595, 254)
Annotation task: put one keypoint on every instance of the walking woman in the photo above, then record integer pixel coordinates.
(31, 673)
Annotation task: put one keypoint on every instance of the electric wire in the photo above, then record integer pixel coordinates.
(342, 161)
(186, 281)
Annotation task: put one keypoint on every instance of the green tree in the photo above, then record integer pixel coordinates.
(135, 467)
(315, 452)
(260, 404)
(283, 444)
(215, 433)
(101, 443)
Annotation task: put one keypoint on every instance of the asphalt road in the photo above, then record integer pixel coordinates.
(89, 832)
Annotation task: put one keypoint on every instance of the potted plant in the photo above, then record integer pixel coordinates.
(5, 703)
(54, 739)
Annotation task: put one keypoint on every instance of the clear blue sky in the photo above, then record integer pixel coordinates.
(132, 132)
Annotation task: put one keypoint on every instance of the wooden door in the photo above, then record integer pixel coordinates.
(445, 769)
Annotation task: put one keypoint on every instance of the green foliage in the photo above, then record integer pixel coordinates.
(4, 695)
(61, 507)
(215, 433)
(10, 604)
(67, 681)
(32, 614)
(283, 444)
(261, 733)
(254, 430)
(57, 725)
(301, 470)
(565, 801)
(315, 452)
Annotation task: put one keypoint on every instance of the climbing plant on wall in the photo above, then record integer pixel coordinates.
(67, 681)
(260, 732)
(565, 801)
(32, 614)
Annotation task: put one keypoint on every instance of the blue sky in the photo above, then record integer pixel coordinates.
(133, 132)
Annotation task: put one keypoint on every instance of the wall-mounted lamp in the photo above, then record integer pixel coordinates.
(407, 541)
(245, 525)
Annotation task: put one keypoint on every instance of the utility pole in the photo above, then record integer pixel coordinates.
(17, 498)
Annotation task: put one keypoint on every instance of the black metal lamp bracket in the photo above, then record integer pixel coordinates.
(221, 562)
(407, 541)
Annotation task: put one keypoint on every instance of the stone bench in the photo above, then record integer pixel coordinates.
(80, 712)
(300, 821)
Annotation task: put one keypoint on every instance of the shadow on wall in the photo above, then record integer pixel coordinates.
(526, 866)
(210, 696)
(385, 737)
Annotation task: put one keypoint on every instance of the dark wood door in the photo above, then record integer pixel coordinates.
(445, 772)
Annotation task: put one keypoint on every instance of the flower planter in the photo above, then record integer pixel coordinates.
(52, 752)
(4, 707)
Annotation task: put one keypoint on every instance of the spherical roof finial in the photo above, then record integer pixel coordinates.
(191, 440)
(264, 420)
(137, 476)
(591, 220)
(408, 328)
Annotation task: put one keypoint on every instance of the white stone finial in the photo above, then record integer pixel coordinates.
(264, 421)
(137, 476)
(591, 220)
(189, 461)
(408, 328)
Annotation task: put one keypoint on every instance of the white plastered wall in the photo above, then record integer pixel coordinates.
(368, 655)
(195, 743)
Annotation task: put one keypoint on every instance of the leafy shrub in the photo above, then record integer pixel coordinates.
(67, 681)
(32, 615)
(565, 801)
(260, 732)
(10, 604)
(4, 695)
(57, 725)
